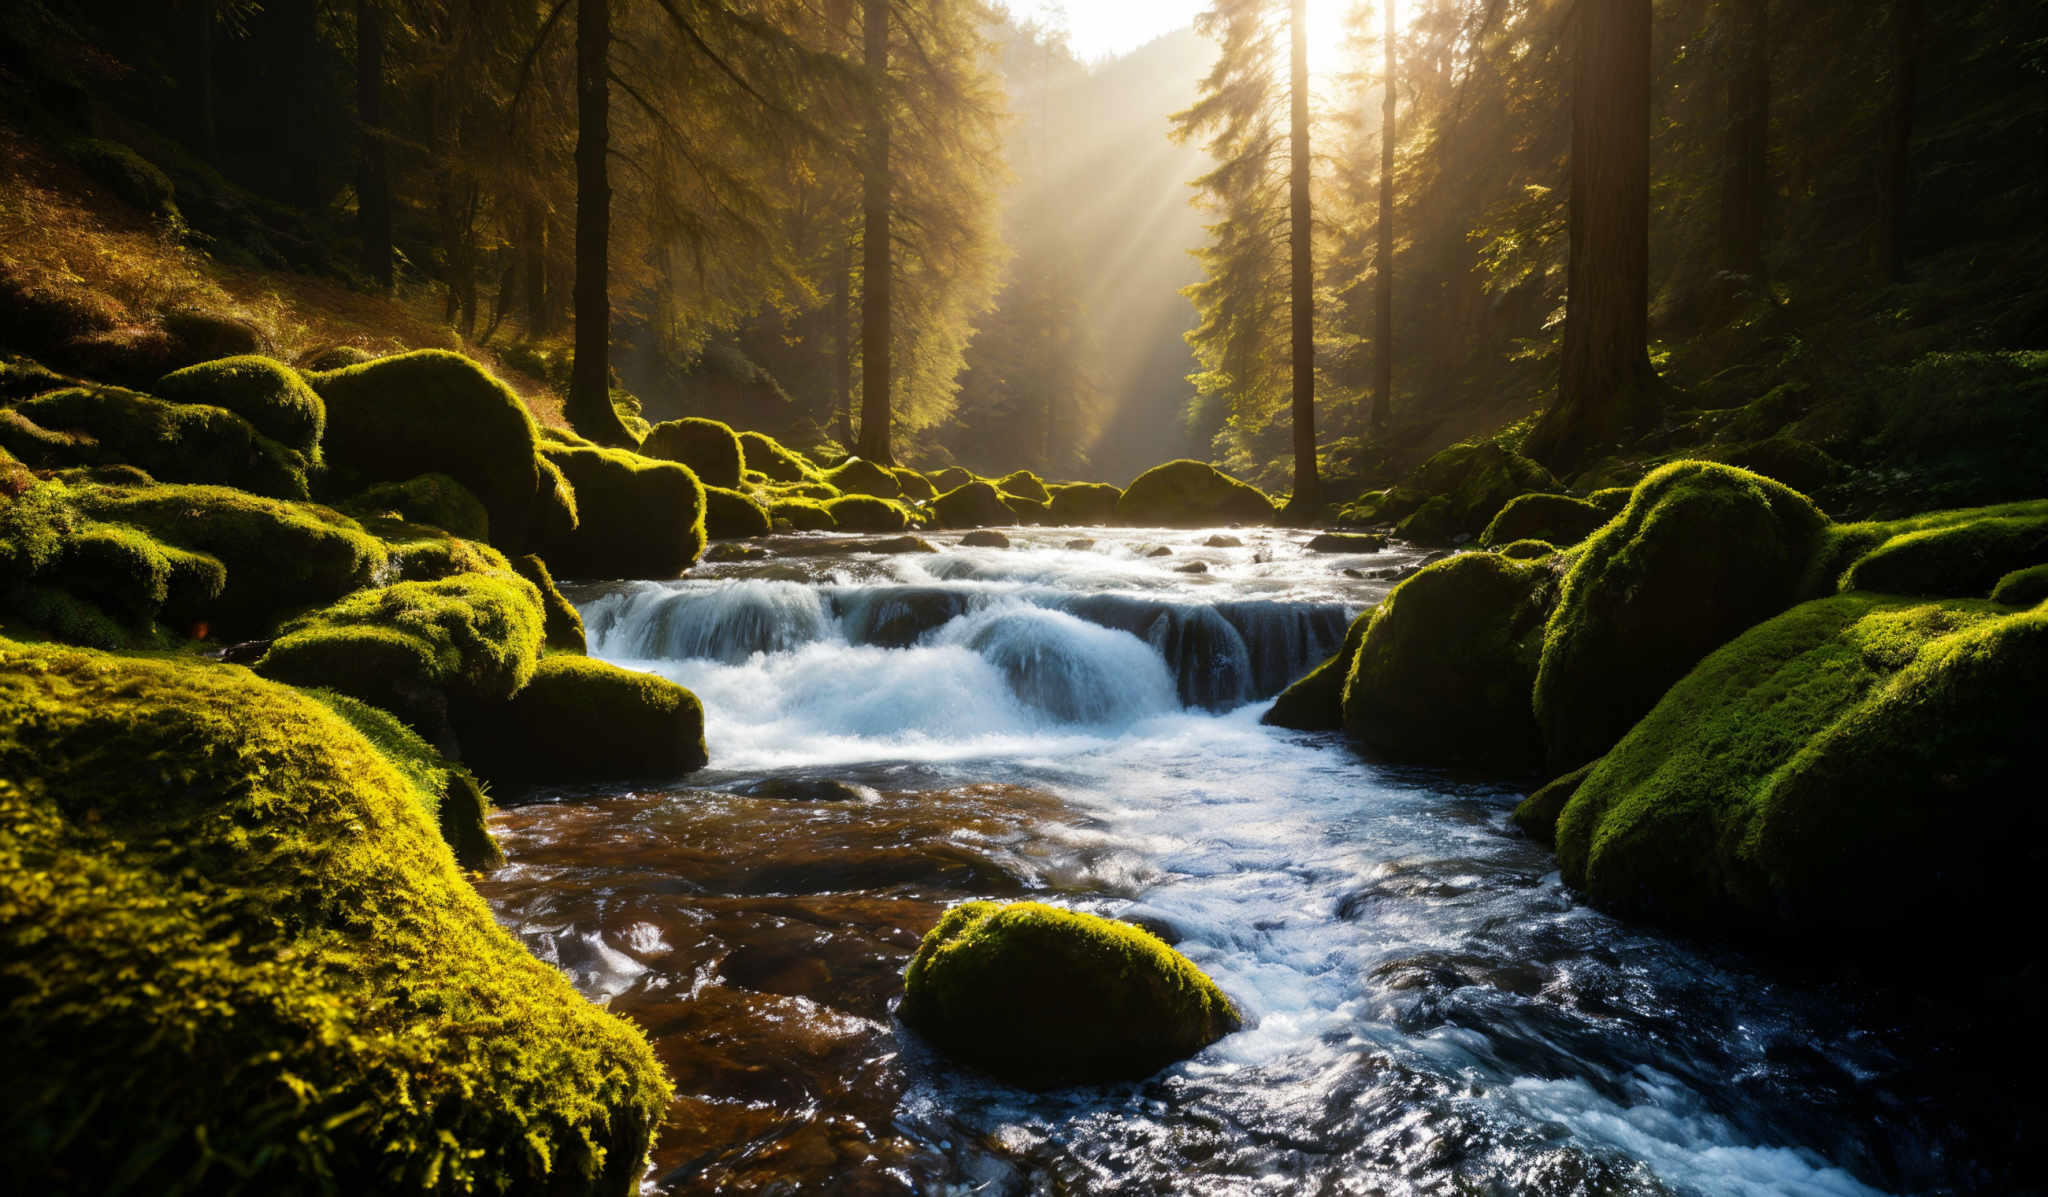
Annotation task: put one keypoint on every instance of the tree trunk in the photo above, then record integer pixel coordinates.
(373, 186)
(1307, 487)
(1606, 388)
(875, 270)
(533, 249)
(842, 343)
(1745, 179)
(1895, 173)
(1383, 316)
(589, 406)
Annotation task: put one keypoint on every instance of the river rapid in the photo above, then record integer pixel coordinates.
(1074, 719)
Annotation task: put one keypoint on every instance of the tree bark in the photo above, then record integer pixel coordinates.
(842, 343)
(1606, 387)
(589, 406)
(1307, 486)
(1745, 179)
(1383, 316)
(1895, 169)
(373, 180)
(875, 270)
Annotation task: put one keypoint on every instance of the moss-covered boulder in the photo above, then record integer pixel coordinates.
(1537, 814)
(972, 505)
(636, 517)
(1527, 550)
(857, 476)
(803, 515)
(732, 515)
(1852, 770)
(1191, 494)
(1083, 504)
(1045, 997)
(1702, 552)
(173, 442)
(422, 553)
(1962, 558)
(585, 720)
(449, 792)
(553, 516)
(264, 391)
(985, 538)
(1611, 500)
(1025, 485)
(1556, 519)
(711, 449)
(1027, 511)
(280, 557)
(1446, 667)
(1316, 701)
(916, 487)
(764, 453)
(1346, 542)
(1463, 488)
(270, 976)
(432, 412)
(865, 513)
(2022, 587)
(407, 647)
(435, 500)
(950, 478)
(562, 624)
(1786, 459)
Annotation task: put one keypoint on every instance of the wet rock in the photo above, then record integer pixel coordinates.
(1220, 541)
(985, 538)
(1160, 551)
(725, 551)
(896, 544)
(1079, 545)
(1347, 542)
(896, 617)
(809, 789)
(1192, 567)
(1354, 573)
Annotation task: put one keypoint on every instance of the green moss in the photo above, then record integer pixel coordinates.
(435, 500)
(1083, 504)
(62, 616)
(1537, 814)
(766, 454)
(405, 646)
(1381, 506)
(1611, 500)
(711, 449)
(135, 180)
(1316, 701)
(280, 557)
(447, 793)
(270, 968)
(972, 505)
(1527, 550)
(1446, 667)
(805, 515)
(1964, 559)
(269, 394)
(1025, 485)
(1784, 459)
(730, 515)
(1842, 545)
(1859, 766)
(1027, 511)
(563, 627)
(815, 491)
(553, 516)
(858, 477)
(916, 487)
(637, 518)
(1701, 552)
(865, 513)
(432, 412)
(1558, 519)
(1191, 494)
(1046, 997)
(133, 577)
(418, 553)
(585, 720)
(1464, 488)
(2022, 587)
(950, 478)
(174, 442)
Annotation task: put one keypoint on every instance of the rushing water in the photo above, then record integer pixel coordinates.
(1429, 1010)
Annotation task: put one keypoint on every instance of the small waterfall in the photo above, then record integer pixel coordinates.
(1213, 667)
(896, 616)
(1067, 668)
(728, 623)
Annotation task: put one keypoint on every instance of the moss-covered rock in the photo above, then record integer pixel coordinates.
(2022, 587)
(1557, 519)
(1527, 550)
(985, 538)
(1855, 769)
(711, 449)
(1025, 485)
(1537, 814)
(1027, 511)
(1316, 701)
(173, 442)
(1844, 545)
(553, 516)
(1611, 500)
(1960, 559)
(1786, 459)
(271, 977)
(916, 487)
(409, 646)
(448, 792)
(1446, 667)
(636, 518)
(1083, 504)
(856, 476)
(865, 513)
(764, 453)
(1346, 542)
(280, 557)
(731, 515)
(1045, 997)
(803, 515)
(950, 478)
(1701, 552)
(135, 578)
(563, 624)
(435, 500)
(432, 412)
(1191, 494)
(422, 553)
(1463, 488)
(585, 720)
(972, 505)
(264, 391)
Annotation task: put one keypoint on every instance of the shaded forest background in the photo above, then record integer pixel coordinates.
(1045, 219)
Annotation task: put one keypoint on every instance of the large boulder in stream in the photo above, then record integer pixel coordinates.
(239, 958)
(1855, 770)
(1191, 494)
(584, 720)
(636, 517)
(973, 505)
(1316, 701)
(1076, 504)
(709, 448)
(1045, 997)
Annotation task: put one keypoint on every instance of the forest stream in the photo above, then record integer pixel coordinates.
(1428, 1008)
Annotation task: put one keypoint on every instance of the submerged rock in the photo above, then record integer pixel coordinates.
(1045, 997)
